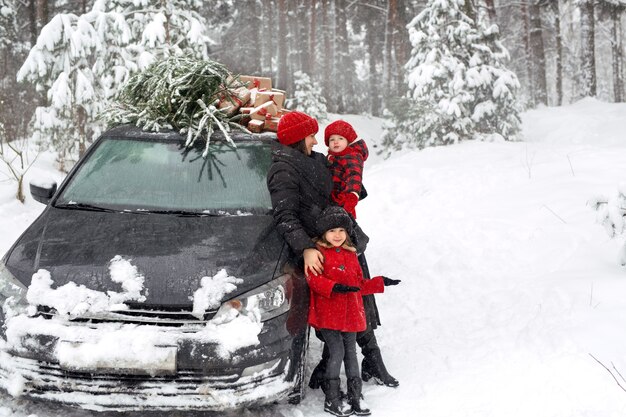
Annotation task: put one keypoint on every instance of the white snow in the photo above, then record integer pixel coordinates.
(211, 292)
(508, 283)
(73, 300)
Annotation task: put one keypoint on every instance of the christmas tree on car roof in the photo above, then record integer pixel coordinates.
(196, 97)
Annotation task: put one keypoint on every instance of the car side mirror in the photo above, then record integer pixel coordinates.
(43, 191)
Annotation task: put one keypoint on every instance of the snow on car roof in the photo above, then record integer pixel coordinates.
(131, 131)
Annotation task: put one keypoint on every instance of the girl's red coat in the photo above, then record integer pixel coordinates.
(337, 311)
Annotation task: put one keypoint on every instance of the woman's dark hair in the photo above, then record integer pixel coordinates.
(300, 145)
(348, 241)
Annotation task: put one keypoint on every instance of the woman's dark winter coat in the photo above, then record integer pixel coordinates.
(300, 188)
(340, 311)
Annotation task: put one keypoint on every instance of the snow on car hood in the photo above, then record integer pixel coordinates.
(112, 344)
(172, 252)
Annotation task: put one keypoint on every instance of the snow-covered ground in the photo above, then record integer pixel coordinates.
(509, 286)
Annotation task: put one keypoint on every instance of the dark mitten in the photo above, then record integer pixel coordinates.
(341, 288)
(389, 281)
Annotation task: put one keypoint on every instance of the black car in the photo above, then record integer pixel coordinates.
(177, 216)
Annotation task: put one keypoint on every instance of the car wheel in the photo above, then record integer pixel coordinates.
(297, 394)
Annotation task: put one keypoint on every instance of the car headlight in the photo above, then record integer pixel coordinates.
(12, 293)
(269, 300)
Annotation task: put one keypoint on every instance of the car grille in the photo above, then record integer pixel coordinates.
(188, 389)
(140, 314)
(193, 377)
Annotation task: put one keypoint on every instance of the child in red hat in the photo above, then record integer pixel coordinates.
(346, 156)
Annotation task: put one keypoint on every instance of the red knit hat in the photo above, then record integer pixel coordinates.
(295, 126)
(341, 128)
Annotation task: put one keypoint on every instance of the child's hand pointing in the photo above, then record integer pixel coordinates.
(389, 281)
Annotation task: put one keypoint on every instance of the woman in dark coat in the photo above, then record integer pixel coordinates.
(300, 186)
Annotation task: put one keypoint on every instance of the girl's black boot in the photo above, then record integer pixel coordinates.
(355, 397)
(333, 402)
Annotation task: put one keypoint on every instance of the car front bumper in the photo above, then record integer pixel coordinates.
(49, 382)
(201, 381)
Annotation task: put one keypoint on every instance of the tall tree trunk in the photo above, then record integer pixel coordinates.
(559, 51)
(373, 52)
(326, 28)
(343, 63)
(387, 79)
(81, 121)
(527, 51)
(268, 46)
(618, 59)
(42, 14)
(32, 22)
(310, 68)
(281, 79)
(294, 52)
(538, 53)
(401, 45)
(587, 26)
(257, 32)
(302, 35)
(37, 18)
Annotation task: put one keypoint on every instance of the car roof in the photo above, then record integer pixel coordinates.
(131, 131)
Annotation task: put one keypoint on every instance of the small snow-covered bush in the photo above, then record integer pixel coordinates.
(611, 214)
(308, 97)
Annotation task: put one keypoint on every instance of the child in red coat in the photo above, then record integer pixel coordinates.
(346, 157)
(336, 308)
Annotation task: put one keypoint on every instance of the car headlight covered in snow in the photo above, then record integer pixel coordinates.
(12, 295)
(271, 300)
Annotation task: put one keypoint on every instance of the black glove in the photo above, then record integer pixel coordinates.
(389, 281)
(340, 288)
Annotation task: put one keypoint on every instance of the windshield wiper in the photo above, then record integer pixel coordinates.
(86, 206)
(182, 213)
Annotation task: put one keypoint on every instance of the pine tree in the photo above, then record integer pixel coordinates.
(458, 83)
(308, 97)
(80, 61)
(495, 108)
(178, 92)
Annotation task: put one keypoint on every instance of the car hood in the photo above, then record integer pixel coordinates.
(172, 252)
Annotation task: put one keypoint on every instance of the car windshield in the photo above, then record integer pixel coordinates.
(134, 174)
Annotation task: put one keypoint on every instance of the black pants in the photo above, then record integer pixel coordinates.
(341, 348)
(365, 339)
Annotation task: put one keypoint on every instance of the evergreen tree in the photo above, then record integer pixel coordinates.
(458, 83)
(494, 86)
(80, 61)
(8, 23)
(181, 93)
(611, 214)
(308, 97)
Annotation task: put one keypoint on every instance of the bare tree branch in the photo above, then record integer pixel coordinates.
(610, 372)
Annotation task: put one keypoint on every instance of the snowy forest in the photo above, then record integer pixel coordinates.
(63, 61)
(510, 243)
